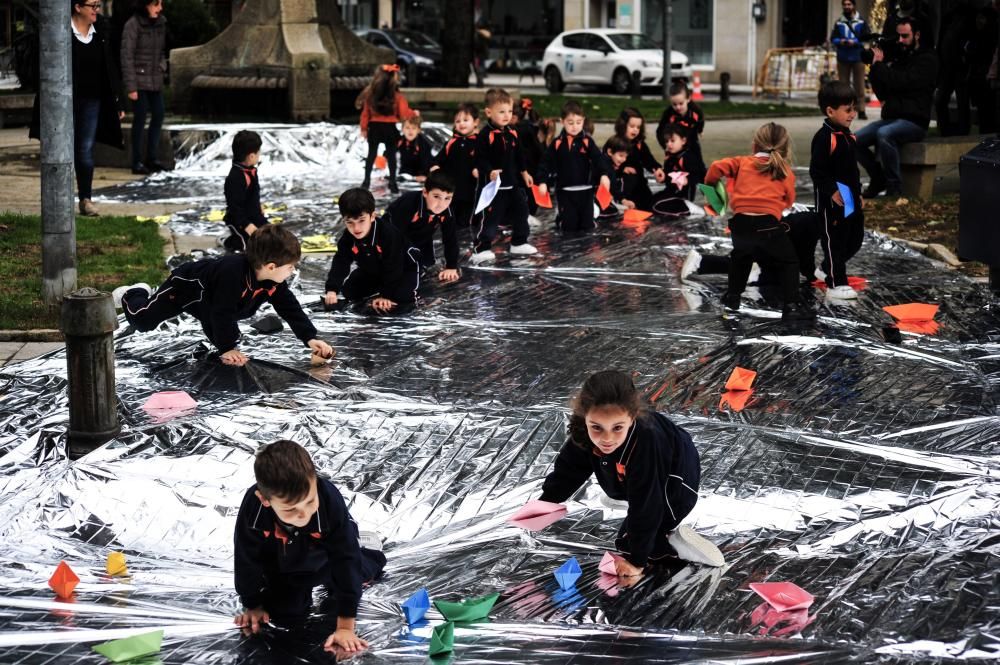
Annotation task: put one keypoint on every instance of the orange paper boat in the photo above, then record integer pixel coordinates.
(853, 281)
(381, 162)
(736, 400)
(543, 200)
(603, 197)
(636, 215)
(64, 580)
(740, 379)
(914, 311)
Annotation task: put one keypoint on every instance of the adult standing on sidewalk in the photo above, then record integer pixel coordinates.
(847, 36)
(480, 51)
(144, 64)
(97, 110)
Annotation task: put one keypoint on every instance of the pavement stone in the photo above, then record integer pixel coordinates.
(31, 350)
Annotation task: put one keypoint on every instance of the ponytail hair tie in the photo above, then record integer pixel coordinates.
(390, 68)
(526, 104)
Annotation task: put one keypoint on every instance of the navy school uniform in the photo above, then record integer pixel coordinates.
(617, 188)
(670, 201)
(499, 148)
(570, 165)
(636, 186)
(277, 564)
(657, 470)
(527, 131)
(386, 266)
(833, 160)
(218, 292)
(418, 225)
(242, 191)
(693, 123)
(457, 159)
(416, 156)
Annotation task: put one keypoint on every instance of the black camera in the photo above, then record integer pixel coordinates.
(886, 44)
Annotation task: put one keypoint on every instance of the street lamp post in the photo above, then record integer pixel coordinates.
(668, 10)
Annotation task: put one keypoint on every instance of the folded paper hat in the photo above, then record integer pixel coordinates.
(736, 400)
(536, 515)
(740, 379)
(416, 606)
(603, 197)
(116, 564)
(543, 200)
(270, 323)
(137, 646)
(471, 609)
(169, 400)
(783, 596)
(636, 215)
(442, 639)
(63, 580)
(914, 311)
(607, 564)
(568, 573)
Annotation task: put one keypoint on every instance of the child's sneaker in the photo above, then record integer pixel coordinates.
(754, 274)
(842, 292)
(691, 264)
(613, 504)
(694, 548)
(370, 540)
(730, 304)
(484, 256)
(527, 249)
(820, 275)
(120, 292)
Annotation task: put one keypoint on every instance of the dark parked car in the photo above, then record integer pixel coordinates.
(416, 54)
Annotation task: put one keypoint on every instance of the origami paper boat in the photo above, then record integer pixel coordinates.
(63, 580)
(416, 606)
(442, 639)
(740, 379)
(174, 400)
(636, 215)
(603, 197)
(470, 609)
(543, 200)
(783, 596)
(137, 646)
(536, 515)
(568, 573)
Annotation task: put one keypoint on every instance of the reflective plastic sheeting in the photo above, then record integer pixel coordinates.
(863, 471)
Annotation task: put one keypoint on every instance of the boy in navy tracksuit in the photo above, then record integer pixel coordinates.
(499, 157)
(685, 114)
(458, 160)
(616, 151)
(386, 266)
(242, 189)
(571, 164)
(294, 532)
(415, 151)
(834, 159)
(220, 292)
(683, 170)
(418, 216)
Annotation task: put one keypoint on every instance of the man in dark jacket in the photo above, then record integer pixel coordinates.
(848, 33)
(905, 85)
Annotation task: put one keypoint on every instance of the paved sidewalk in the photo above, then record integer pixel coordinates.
(15, 352)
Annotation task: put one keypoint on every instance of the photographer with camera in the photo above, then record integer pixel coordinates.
(847, 36)
(903, 76)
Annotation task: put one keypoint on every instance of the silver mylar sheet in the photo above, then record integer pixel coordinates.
(867, 473)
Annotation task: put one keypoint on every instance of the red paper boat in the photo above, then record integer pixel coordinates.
(636, 215)
(543, 200)
(603, 197)
(853, 281)
(536, 515)
(736, 400)
(64, 580)
(914, 311)
(381, 162)
(783, 596)
(740, 379)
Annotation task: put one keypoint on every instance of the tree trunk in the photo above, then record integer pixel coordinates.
(457, 43)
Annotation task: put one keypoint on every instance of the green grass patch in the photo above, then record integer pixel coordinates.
(110, 251)
(606, 109)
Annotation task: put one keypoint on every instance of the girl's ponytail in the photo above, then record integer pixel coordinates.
(773, 139)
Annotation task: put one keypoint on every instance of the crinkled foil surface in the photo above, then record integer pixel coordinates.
(867, 473)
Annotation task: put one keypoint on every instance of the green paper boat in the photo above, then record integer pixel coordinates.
(471, 609)
(442, 639)
(127, 648)
(720, 189)
(718, 203)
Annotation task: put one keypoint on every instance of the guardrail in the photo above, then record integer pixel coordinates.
(788, 70)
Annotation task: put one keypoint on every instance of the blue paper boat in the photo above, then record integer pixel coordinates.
(416, 606)
(568, 573)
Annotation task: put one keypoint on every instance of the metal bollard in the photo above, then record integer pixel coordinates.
(636, 85)
(724, 79)
(88, 322)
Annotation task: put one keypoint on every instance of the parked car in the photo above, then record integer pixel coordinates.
(604, 56)
(416, 53)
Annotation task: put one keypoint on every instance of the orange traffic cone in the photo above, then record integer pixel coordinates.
(873, 102)
(696, 93)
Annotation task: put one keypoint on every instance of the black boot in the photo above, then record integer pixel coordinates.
(797, 311)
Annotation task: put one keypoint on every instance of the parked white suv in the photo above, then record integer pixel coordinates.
(604, 56)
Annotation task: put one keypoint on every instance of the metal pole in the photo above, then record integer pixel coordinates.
(56, 110)
(668, 11)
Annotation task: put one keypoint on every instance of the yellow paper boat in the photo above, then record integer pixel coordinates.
(312, 244)
(214, 216)
(159, 219)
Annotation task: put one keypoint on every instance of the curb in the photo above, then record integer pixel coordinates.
(42, 335)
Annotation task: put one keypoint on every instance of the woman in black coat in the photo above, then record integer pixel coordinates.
(97, 110)
(144, 63)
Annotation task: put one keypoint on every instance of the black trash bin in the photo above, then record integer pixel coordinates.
(979, 207)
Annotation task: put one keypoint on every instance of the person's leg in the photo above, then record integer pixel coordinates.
(139, 109)
(942, 103)
(585, 210)
(517, 215)
(889, 137)
(85, 113)
(742, 231)
(359, 286)
(867, 138)
(390, 138)
(831, 240)
(775, 248)
(370, 159)
(858, 76)
(489, 221)
(963, 123)
(155, 98)
(145, 311)
(462, 211)
(803, 230)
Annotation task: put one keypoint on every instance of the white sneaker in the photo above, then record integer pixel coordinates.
(526, 249)
(820, 275)
(370, 540)
(691, 264)
(694, 300)
(613, 504)
(843, 292)
(120, 292)
(484, 256)
(754, 274)
(694, 548)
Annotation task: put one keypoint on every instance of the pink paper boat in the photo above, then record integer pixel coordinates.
(783, 596)
(607, 565)
(536, 515)
(175, 400)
